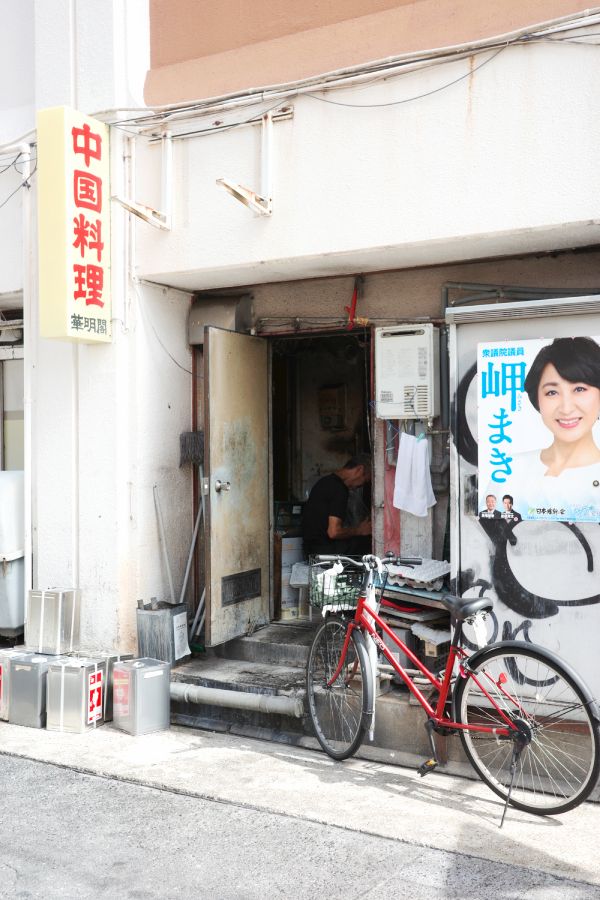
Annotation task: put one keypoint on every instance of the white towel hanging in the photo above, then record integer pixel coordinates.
(412, 488)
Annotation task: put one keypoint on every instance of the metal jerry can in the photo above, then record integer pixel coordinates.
(27, 690)
(52, 621)
(109, 658)
(75, 694)
(6, 657)
(141, 700)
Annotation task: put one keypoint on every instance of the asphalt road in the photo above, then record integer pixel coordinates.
(70, 835)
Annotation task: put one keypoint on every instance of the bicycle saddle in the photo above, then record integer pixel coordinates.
(462, 608)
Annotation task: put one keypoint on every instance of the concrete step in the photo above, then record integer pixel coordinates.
(242, 675)
(399, 737)
(277, 644)
(273, 662)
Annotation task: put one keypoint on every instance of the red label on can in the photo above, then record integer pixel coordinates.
(94, 697)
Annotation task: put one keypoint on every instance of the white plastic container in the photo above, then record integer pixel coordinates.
(290, 598)
(12, 595)
(12, 549)
(12, 515)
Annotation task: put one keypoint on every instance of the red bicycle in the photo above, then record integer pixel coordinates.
(528, 724)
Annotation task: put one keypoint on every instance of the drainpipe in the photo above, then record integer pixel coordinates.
(266, 703)
(29, 328)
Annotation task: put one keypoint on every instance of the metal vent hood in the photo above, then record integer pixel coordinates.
(526, 309)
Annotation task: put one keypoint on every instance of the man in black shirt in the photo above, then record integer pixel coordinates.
(325, 510)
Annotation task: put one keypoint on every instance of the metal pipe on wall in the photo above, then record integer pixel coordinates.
(28, 352)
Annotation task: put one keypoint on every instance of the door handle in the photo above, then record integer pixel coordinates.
(222, 486)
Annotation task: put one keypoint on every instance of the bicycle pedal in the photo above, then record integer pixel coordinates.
(428, 766)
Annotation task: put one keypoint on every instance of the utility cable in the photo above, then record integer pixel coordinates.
(23, 184)
(437, 90)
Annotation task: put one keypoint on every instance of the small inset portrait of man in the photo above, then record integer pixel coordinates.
(490, 511)
(509, 514)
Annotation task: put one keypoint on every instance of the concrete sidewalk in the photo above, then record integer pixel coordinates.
(442, 812)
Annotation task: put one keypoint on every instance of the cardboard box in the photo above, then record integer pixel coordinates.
(404, 634)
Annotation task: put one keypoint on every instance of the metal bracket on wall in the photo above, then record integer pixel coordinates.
(162, 220)
(259, 202)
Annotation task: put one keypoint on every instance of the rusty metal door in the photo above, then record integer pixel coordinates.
(236, 386)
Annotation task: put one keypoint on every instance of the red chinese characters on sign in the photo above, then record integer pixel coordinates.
(94, 697)
(89, 284)
(87, 143)
(88, 276)
(88, 235)
(87, 190)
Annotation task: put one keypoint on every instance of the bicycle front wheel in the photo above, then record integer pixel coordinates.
(341, 705)
(555, 715)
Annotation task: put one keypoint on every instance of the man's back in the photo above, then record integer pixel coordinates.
(328, 497)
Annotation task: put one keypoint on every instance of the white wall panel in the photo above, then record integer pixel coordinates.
(502, 162)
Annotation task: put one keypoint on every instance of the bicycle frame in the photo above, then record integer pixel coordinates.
(366, 618)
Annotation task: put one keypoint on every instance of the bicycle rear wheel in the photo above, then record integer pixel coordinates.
(553, 710)
(340, 710)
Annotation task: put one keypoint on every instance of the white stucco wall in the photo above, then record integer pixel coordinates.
(502, 162)
(91, 55)
(107, 421)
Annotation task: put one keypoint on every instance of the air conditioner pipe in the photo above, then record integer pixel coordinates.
(265, 703)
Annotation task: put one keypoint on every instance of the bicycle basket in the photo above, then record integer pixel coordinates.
(339, 591)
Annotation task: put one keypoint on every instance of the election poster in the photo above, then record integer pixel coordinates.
(539, 430)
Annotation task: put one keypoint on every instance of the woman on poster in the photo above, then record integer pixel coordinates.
(562, 480)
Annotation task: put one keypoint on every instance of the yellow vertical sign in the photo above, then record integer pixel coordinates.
(73, 165)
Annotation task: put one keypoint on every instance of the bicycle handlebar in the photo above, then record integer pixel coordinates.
(369, 561)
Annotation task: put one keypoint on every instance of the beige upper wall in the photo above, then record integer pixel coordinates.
(205, 48)
(189, 29)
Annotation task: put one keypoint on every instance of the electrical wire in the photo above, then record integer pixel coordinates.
(437, 90)
(256, 117)
(23, 184)
(10, 165)
(538, 31)
(16, 164)
(379, 71)
(149, 321)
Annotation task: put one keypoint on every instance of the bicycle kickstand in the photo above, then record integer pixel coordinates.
(513, 768)
(432, 763)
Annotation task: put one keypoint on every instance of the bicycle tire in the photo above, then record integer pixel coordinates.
(340, 712)
(558, 768)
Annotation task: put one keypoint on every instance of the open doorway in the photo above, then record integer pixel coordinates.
(320, 418)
